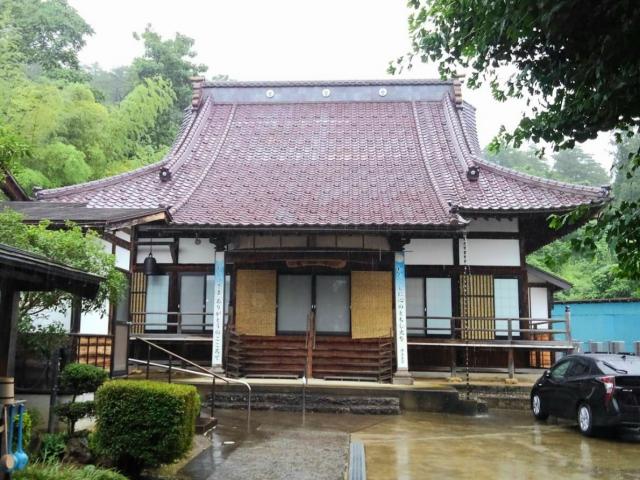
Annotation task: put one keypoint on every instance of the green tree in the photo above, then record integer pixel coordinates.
(70, 246)
(48, 33)
(526, 161)
(13, 149)
(625, 186)
(574, 60)
(133, 121)
(576, 166)
(171, 59)
(113, 85)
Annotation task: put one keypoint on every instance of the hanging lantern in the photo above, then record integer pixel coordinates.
(150, 265)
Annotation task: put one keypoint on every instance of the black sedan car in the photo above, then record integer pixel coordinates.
(597, 390)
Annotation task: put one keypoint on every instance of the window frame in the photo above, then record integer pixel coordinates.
(193, 328)
(515, 322)
(167, 328)
(314, 305)
(425, 308)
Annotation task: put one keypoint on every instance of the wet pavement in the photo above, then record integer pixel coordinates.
(501, 445)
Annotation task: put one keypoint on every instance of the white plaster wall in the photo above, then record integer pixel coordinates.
(429, 251)
(122, 258)
(95, 322)
(189, 252)
(538, 302)
(491, 252)
(161, 253)
(493, 225)
(123, 235)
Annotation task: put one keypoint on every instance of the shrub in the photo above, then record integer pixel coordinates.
(71, 412)
(79, 378)
(52, 447)
(143, 424)
(57, 471)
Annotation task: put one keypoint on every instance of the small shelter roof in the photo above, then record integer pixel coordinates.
(105, 218)
(538, 275)
(31, 272)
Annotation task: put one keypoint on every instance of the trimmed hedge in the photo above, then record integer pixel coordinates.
(143, 424)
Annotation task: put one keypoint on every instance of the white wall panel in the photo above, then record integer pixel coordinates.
(123, 235)
(161, 253)
(429, 251)
(491, 252)
(191, 253)
(538, 302)
(122, 258)
(493, 225)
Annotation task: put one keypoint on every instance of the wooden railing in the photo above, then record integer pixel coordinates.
(92, 349)
(507, 331)
(177, 322)
(510, 334)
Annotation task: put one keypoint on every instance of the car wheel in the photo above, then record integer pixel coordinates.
(537, 408)
(585, 419)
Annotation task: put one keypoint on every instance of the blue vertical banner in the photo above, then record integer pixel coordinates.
(402, 356)
(218, 310)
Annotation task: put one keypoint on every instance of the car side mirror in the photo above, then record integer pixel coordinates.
(546, 374)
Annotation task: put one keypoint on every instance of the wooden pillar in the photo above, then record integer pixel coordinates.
(76, 314)
(402, 375)
(511, 366)
(218, 310)
(9, 299)
(452, 357)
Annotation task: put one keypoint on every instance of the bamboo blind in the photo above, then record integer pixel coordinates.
(94, 350)
(371, 304)
(477, 306)
(138, 299)
(256, 302)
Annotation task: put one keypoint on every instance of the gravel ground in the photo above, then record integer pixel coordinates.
(288, 454)
(276, 445)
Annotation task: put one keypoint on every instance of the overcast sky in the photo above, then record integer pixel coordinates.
(283, 40)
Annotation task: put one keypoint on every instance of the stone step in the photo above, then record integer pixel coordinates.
(323, 403)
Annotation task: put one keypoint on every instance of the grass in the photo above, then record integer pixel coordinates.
(57, 471)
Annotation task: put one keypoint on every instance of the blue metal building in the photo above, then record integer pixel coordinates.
(603, 320)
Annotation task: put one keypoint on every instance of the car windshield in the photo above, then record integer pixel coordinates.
(620, 364)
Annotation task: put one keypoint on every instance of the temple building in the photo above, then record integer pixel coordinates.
(342, 230)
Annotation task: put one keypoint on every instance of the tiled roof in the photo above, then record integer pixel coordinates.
(374, 153)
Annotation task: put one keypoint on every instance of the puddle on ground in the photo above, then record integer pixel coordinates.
(500, 445)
